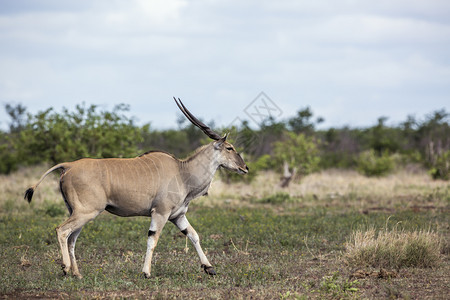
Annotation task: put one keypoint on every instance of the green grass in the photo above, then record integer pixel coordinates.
(250, 248)
(264, 242)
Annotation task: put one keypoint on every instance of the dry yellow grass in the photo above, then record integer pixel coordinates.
(13, 186)
(393, 248)
(403, 189)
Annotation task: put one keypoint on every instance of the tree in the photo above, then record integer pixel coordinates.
(269, 132)
(434, 136)
(8, 156)
(299, 152)
(339, 147)
(17, 114)
(302, 122)
(8, 147)
(383, 138)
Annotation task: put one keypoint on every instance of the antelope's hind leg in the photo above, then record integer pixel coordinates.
(67, 234)
(83, 205)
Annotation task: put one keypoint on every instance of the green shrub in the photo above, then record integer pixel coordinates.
(298, 151)
(8, 157)
(8, 160)
(371, 164)
(441, 168)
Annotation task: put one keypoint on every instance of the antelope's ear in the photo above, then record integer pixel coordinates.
(220, 141)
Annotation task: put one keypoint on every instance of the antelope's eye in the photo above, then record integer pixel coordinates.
(229, 148)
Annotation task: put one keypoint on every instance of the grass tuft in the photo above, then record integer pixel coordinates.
(393, 248)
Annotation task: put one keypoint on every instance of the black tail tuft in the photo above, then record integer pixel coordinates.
(29, 194)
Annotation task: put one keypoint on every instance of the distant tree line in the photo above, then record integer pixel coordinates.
(294, 147)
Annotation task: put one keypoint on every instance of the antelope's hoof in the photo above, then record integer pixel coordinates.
(209, 270)
(145, 275)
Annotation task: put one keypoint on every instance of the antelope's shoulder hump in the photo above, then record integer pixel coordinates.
(158, 153)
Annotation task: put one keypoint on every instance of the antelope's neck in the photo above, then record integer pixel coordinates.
(199, 171)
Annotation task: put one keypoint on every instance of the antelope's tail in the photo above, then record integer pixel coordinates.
(29, 192)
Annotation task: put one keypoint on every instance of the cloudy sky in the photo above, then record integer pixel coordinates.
(350, 61)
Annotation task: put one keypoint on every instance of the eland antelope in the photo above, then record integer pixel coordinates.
(155, 184)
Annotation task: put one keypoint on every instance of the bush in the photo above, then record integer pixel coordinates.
(371, 164)
(8, 159)
(441, 168)
(393, 249)
(298, 151)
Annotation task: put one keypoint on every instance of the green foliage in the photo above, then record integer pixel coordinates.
(263, 139)
(8, 155)
(339, 147)
(299, 151)
(55, 137)
(382, 138)
(433, 137)
(17, 114)
(441, 168)
(371, 164)
(264, 162)
(302, 123)
(172, 141)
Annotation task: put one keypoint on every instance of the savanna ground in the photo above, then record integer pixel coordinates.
(264, 242)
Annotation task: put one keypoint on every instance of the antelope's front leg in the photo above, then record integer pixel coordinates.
(183, 224)
(156, 226)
